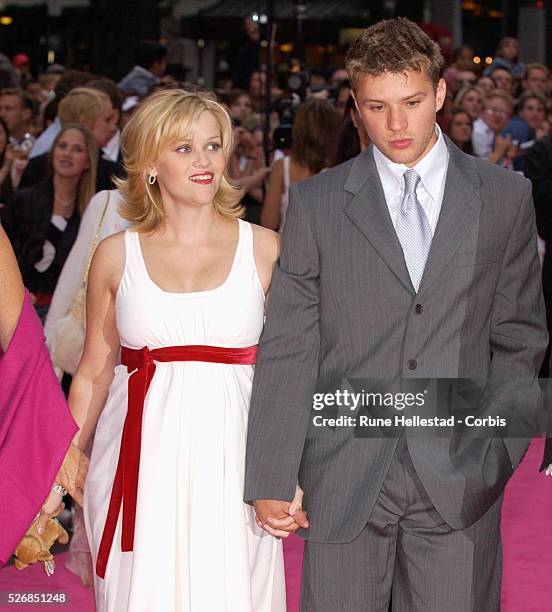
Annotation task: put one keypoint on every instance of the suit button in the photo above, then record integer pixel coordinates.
(418, 309)
(412, 364)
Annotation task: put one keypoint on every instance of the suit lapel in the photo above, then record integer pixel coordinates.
(459, 210)
(368, 211)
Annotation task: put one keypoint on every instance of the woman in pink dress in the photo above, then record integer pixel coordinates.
(36, 426)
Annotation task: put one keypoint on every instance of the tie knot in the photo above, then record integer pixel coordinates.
(411, 180)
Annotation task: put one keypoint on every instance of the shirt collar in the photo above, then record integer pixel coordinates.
(430, 168)
(146, 72)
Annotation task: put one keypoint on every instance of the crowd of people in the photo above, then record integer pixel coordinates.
(497, 113)
(83, 157)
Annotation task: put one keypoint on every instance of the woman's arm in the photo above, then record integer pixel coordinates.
(90, 385)
(11, 291)
(266, 249)
(270, 212)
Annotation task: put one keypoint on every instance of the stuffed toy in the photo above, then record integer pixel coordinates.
(34, 547)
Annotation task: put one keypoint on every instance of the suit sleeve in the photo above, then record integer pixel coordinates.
(518, 328)
(287, 364)
(518, 331)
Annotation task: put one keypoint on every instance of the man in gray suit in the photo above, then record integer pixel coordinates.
(412, 260)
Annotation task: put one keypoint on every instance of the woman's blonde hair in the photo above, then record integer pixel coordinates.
(82, 105)
(161, 120)
(87, 182)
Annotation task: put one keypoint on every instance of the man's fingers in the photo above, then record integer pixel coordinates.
(301, 518)
(281, 523)
(277, 533)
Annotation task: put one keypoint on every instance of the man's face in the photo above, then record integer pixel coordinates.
(533, 112)
(537, 80)
(13, 113)
(398, 111)
(496, 114)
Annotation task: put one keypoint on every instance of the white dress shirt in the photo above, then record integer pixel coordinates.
(432, 169)
(482, 139)
(44, 142)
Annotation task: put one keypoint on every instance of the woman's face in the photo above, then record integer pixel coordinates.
(472, 102)
(241, 109)
(105, 126)
(70, 156)
(460, 128)
(190, 171)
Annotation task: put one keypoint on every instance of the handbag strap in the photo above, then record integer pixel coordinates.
(96, 239)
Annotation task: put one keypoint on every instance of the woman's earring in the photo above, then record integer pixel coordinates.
(151, 179)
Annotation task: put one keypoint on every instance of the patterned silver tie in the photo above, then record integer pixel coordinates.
(413, 229)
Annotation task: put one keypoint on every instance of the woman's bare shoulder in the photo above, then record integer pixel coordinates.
(109, 259)
(266, 243)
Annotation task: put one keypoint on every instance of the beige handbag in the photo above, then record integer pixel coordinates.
(70, 333)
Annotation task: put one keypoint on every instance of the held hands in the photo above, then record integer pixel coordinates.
(71, 476)
(280, 518)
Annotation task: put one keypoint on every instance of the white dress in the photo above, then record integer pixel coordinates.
(197, 547)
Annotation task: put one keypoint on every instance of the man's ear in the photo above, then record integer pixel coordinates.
(440, 94)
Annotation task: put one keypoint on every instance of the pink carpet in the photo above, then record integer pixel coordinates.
(526, 532)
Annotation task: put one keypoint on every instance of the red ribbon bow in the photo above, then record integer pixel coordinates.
(125, 486)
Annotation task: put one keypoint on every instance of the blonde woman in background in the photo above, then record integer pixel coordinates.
(180, 297)
(42, 221)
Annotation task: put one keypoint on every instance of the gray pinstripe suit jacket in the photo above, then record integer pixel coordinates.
(341, 303)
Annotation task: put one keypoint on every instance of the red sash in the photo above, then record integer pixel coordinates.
(125, 485)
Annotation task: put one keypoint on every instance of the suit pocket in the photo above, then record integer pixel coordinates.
(478, 258)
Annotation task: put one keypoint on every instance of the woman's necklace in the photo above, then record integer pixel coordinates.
(64, 204)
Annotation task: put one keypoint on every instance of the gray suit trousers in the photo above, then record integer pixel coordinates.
(407, 548)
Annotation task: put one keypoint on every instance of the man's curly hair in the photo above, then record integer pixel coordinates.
(393, 46)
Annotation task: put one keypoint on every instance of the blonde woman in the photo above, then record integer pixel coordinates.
(183, 294)
(42, 221)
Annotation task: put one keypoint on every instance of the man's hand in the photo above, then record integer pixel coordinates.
(280, 518)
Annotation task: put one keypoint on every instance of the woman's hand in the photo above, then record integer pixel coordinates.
(51, 507)
(72, 473)
(548, 470)
(281, 528)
